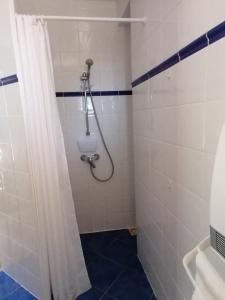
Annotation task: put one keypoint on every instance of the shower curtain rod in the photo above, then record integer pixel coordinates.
(92, 19)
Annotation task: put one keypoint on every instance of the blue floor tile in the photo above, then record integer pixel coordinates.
(97, 242)
(131, 286)
(114, 268)
(107, 297)
(121, 253)
(7, 285)
(92, 294)
(128, 239)
(11, 290)
(21, 294)
(102, 272)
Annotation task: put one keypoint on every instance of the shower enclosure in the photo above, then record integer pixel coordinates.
(111, 205)
(99, 205)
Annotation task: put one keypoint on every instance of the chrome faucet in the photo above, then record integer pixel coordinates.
(90, 159)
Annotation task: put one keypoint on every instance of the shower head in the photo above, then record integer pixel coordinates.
(89, 62)
(86, 75)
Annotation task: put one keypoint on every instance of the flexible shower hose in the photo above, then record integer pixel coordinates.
(103, 142)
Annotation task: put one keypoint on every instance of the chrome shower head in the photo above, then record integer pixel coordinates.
(89, 62)
(86, 75)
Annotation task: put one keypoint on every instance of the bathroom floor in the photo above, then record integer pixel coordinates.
(113, 267)
(11, 290)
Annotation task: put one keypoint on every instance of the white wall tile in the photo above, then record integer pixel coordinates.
(177, 118)
(215, 71)
(13, 101)
(2, 99)
(6, 156)
(9, 182)
(7, 64)
(4, 130)
(216, 16)
(15, 188)
(214, 120)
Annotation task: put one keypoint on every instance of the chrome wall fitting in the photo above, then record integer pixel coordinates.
(90, 159)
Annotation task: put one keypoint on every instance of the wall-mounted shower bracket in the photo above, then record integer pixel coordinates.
(90, 159)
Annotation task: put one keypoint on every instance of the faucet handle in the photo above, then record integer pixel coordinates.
(90, 159)
(96, 156)
(84, 157)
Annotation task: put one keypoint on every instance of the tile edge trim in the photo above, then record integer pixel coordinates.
(210, 37)
(8, 80)
(94, 93)
(14, 79)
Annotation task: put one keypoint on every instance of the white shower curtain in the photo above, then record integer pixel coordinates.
(63, 270)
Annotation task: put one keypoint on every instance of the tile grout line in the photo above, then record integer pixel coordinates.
(111, 285)
(13, 292)
(109, 259)
(121, 239)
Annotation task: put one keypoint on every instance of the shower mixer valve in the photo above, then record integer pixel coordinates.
(90, 159)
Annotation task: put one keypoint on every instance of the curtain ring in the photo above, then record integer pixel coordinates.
(34, 20)
(42, 20)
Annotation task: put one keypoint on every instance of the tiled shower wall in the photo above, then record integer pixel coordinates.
(18, 223)
(99, 206)
(177, 118)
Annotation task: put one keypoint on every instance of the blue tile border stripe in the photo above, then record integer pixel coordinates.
(203, 41)
(194, 47)
(216, 33)
(95, 93)
(8, 80)
(13, 79)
